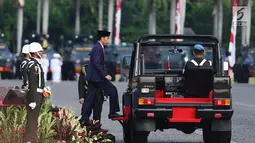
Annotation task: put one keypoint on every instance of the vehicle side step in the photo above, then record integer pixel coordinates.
(118, 119)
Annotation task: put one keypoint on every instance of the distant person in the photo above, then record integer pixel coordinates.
(23, 66)
(45, 65)
(55, 65)
(237, 70)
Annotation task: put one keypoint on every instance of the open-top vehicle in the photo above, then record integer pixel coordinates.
(163, 96)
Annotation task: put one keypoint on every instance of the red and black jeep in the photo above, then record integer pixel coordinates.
(160, 97)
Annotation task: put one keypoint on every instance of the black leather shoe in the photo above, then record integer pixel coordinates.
(84, 124)
(114, 115)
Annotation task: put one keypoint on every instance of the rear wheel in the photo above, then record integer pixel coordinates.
(210, 136)
(126, 133)
(138, 136)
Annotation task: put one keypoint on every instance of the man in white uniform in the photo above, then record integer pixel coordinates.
(55, 64)
(45, 65)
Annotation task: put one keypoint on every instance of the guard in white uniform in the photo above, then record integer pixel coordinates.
(45, 65)
(55, 64)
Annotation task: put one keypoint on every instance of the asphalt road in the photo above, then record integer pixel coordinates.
(66, 94)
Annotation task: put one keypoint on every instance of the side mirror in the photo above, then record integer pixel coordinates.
(126, 62)
(225, 66)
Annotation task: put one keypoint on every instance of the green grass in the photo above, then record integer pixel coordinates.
(252, 80)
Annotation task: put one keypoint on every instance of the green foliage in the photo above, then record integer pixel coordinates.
(46, 122)
(12, 124)
(52, 128)
(66, 125)
(134, 19)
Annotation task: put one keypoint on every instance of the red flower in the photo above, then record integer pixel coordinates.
(64, 113)
(80, 134)
(45, 94)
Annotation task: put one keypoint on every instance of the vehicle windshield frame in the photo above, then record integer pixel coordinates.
(211, 41)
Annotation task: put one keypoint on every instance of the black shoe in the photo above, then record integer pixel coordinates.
(84, 124)
(114, 115)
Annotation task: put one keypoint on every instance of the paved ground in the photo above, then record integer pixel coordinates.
(65, 94)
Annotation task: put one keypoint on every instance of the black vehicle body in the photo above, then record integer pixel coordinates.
(113, 59)
(7, 62)
(80, 55)
(161, 98)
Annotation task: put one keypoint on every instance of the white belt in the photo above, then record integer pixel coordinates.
(39, 90)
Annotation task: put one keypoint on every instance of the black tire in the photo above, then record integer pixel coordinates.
(126, 133)
(138, 136)
(210, 136)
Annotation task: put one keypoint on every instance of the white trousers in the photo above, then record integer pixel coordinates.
(56, 75)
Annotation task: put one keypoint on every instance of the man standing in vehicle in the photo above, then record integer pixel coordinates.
(23, 66)
(97, 78)
(199, 58)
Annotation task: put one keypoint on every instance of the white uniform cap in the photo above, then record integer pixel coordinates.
(58, 55)
(55, 55)
(25, 49)
(35, 47)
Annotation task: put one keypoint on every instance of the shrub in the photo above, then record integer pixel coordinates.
(53, 126)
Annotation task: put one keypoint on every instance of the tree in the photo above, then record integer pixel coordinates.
(38, 21)
(100, 15)
(172, 16)
(77, 17)
(45, 16)
(21, 4)
(151, 7)
(110, 18)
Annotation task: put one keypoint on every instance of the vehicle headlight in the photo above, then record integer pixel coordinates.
(145, 90)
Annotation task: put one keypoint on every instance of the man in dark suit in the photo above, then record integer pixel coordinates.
(97, 78)
(83, 91)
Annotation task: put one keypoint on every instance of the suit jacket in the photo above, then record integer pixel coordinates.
(83, 88)
(96, 69)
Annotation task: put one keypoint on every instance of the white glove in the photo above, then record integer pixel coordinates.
(32, 105)
(48, 87)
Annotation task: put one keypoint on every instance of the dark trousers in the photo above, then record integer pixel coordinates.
(109, 90)
(97, 104)
(32, 123)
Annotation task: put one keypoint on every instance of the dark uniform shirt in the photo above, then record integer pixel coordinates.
(198, 62)
(36, 84)
(23, 70)
(35, 79)
(83, 83)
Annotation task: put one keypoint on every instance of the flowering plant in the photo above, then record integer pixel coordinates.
(47, 92)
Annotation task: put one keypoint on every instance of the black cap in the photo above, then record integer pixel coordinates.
(103, 34)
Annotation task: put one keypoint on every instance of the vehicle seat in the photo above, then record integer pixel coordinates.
(198, 81)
